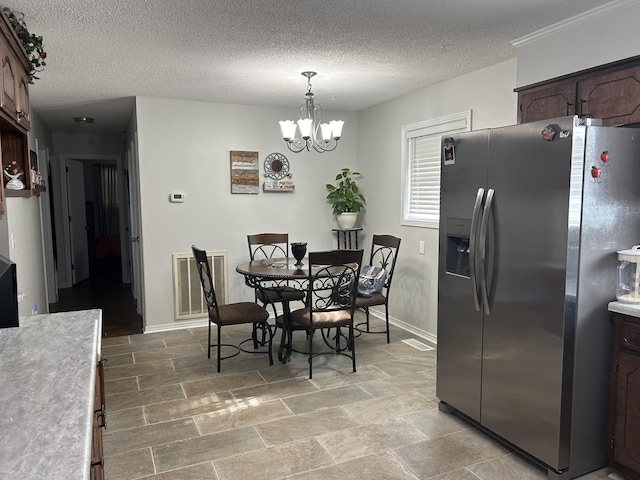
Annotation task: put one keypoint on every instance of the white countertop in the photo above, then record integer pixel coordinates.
(47, 381)
(632, 309)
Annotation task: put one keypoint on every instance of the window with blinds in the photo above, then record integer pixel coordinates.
(421, 167)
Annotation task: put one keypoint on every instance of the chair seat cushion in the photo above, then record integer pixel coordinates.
(277, 294)
(376, 299)
(320, 319)
(241, 312)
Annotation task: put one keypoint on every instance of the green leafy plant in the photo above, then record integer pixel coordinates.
(33, 44)
(345, 194)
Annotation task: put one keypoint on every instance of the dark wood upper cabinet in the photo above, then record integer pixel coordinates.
(610, 93)
(547, 102)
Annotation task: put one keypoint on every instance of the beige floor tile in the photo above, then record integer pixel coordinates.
(218, 383)
(123, 371)
(308, 425)
(173, 377)
(126, 466)
(290, 458)
(110, 341)
(202, 471)
(134, 346)
(147, 436)
(340, 378)
(188, 407)
(451, 452)
(325, 398)
(378, 467)
(371, 439)
(405, 366)
(460, 474)
(400, 385)
(242, 413)
(506, 467)
(117, 360)
(120, 401)
(171, 352)
(209, 447)
(272, 391)
(123, 419)
(376, 409)
(128, 384)
(434, 423)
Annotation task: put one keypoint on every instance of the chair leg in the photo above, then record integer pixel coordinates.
(353, 346)
(219, 347)
(366, 311)
(386, 314)
(209, 342)
(311, 353)
(267, 327)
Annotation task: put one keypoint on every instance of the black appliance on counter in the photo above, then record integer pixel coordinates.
(8, 293)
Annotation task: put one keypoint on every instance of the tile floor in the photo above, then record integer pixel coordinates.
(172, 417)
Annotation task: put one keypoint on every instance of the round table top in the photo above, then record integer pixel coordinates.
(277, 268)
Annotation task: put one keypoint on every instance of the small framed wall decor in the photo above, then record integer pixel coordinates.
(245, 176)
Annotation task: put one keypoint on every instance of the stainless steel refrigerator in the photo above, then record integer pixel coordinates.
(531, 218)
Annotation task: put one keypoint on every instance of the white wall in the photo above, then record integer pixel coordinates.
(184, 147)
(601, 36)
(489, 94)
(23, 226)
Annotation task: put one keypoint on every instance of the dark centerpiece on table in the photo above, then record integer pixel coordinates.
(299, 249)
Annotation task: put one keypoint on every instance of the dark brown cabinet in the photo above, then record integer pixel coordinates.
(99, 424)
(15, 116)
(610, 93)
(623, 452)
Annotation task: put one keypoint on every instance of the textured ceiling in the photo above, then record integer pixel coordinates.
(100, 54)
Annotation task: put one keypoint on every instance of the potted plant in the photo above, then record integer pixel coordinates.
(32, 43)
(346, 197)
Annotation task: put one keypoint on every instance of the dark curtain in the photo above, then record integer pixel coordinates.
(107, 208)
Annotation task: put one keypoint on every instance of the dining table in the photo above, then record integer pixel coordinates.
(275, 274)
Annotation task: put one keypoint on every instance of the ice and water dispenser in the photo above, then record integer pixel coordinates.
(457, 248)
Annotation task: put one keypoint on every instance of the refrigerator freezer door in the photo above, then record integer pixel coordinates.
(459, 323)
(524, 352)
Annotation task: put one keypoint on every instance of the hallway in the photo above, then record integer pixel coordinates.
(104, 289)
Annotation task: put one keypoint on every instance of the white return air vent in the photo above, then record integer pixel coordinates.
(187, 290)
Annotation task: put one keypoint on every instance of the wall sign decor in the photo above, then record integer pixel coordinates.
(276, 170)
(244, 172)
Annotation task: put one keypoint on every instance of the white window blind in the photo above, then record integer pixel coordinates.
(421, 167)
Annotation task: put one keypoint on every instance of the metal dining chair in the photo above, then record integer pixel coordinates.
(384, 253)
(273, 245)
(231, 314)
(330, 302)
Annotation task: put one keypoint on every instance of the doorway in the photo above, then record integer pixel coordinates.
(93, 263)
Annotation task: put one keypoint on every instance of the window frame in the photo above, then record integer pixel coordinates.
(447, 125)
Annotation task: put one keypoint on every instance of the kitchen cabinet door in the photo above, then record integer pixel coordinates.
(613, 97)
(624, 398)
(551, 101)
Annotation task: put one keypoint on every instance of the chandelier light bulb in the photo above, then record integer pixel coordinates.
(321, 137)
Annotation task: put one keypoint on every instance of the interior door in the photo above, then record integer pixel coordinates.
(134, 217)
(77, 221)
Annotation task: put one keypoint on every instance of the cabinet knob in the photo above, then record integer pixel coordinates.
(21, 114)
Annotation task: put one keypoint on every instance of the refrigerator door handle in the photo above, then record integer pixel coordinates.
(483, 251)
(472, 248)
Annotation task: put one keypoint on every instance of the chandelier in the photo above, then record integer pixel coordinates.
(322, 137)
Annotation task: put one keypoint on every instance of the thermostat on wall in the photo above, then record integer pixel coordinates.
(176, 197)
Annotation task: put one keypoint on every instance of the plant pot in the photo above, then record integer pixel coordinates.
(347, 219)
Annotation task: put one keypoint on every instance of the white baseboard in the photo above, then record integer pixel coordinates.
(203, 322)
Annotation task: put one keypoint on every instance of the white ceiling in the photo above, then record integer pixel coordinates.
(101, 54)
